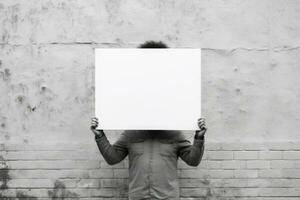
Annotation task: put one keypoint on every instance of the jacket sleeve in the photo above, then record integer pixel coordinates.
(191, 154)
(114, 153)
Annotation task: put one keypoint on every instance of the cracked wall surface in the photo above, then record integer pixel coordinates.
(250, 94)
(250, 62)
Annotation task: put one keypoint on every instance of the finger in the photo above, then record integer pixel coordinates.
(201, 120)
(201, 123)
(200, 126)
(94, 124)
(94, 119)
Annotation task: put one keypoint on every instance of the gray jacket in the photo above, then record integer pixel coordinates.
(153, 159)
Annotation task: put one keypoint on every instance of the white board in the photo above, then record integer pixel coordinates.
(148, 89)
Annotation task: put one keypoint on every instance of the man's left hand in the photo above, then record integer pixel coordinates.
(202, 127)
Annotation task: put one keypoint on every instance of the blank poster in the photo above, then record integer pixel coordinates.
(148, 89)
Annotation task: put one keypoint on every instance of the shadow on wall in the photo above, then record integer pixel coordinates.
(59, 190)
(23, 196)
(218, 193)
(121, 188)
(4, 176)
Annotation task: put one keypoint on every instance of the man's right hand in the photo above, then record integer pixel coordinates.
(94, 124)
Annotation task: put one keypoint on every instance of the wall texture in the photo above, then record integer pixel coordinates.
(251, 94)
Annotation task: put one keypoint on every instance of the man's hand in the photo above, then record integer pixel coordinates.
(201, 124)
(94, 124)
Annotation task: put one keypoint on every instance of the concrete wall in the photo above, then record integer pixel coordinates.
(251, 94)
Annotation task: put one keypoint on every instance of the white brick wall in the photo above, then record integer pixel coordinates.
(232, 173)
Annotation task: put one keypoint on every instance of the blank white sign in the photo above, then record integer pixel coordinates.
(148, 89)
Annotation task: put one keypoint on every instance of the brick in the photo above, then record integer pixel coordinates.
(54, 164)
(223, 192)
(258, 164)
(272, 155)
(230, 164)
(43, 193)
(39, 183)
(209, 183)
(49, 146)
(107, 182)
(270, 173)
(290, 155)
(121, 173)
(279, 192)
(187, 192)
(291, 173)
(190, 173)
(282, 164)
(248, 192)
(273, 183)
(296, 164)
(246, 173)
(284, 183)
(216, 164)
(30, 183)
(224, 146)
(102, 173)
(220, 155)
(52, 155)
(30, 192)
(194, 182)
(231, 146)
(245, 155)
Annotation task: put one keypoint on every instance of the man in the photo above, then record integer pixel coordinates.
(152, 154)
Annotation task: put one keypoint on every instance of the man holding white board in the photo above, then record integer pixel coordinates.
(150, 100)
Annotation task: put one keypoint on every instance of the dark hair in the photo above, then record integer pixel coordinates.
(153, 44)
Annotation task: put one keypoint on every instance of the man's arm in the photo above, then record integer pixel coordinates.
(191, 154)
(111, 153)
(115, 153)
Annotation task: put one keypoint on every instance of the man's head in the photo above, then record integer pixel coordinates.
(153, 44)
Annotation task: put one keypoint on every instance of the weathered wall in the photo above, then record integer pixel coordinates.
(251, 94)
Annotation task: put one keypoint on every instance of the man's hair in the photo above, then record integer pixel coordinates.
(153, 44)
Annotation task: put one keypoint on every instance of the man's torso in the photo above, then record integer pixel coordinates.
(153, 164)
